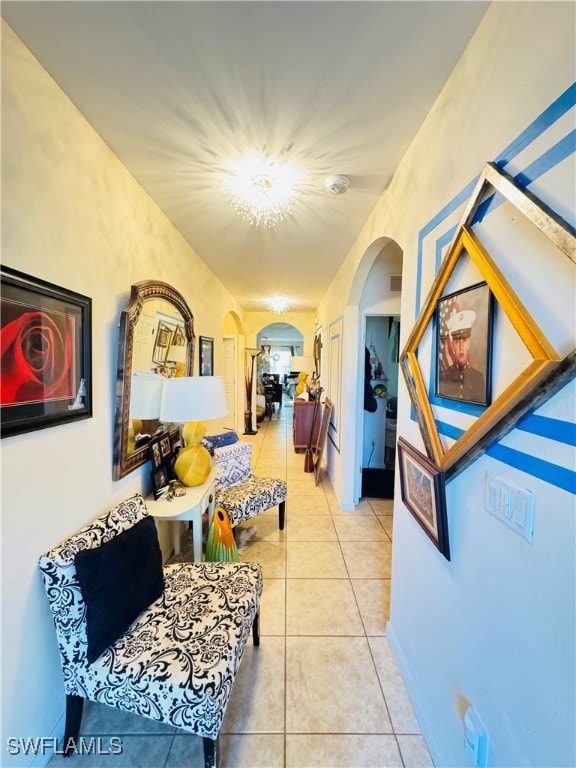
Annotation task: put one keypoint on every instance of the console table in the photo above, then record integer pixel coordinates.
(191, 507)
(302, 426)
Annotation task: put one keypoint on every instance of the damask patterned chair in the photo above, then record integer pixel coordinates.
(164, 643)
(242, 493)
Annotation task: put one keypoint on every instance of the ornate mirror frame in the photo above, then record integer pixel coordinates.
(125, 461)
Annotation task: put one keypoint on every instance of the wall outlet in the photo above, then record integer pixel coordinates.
(475, 739)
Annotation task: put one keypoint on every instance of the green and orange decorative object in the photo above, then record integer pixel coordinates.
(220, 544)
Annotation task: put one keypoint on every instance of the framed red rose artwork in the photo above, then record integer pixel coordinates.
(46, 355)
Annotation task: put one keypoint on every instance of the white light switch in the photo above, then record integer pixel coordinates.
(512, 505)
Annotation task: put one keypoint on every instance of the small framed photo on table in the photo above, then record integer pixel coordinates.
(165, 446)
(423, 492)
(160, 480)
(162, 457)
(155, 452)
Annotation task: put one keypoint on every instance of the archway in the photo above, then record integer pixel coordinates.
(280, 342)
(370, 294)
(379, 311)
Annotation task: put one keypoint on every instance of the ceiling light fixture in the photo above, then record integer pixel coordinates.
(262, 192)
(278, 305)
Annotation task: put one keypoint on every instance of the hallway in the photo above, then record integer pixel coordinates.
(323, 689)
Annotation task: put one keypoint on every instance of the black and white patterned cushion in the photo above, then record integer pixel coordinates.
(177, 662)
(250, 498)
(233, 463)
(243, 494)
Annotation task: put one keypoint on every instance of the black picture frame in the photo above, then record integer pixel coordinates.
(163, 457)
(46, 349)
(155, 452)
(464, 321)
(206, 356)
(160, 480)
(161, 449)
(422, 487)
(165, 447)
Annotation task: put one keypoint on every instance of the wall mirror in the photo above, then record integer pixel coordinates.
(156, 337)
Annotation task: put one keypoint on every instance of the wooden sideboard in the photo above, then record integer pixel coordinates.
(302, 423)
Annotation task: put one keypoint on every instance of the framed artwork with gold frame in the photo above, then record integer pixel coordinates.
(546, 367)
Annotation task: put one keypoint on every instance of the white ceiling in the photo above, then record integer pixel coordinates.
(178, 89)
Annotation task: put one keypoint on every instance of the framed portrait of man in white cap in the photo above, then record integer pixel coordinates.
(464, 333)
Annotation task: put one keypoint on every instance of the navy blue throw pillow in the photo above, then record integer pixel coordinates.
(119, 580)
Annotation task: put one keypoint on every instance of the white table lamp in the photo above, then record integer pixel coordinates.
(192, 400)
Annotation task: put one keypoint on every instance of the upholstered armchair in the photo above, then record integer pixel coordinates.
(242, 493)
(162, 642)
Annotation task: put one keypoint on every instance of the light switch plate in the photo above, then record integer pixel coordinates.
(511, 504)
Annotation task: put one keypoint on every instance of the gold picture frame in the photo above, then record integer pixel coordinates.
(537, 380)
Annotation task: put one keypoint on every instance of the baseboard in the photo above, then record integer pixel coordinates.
(410, 684)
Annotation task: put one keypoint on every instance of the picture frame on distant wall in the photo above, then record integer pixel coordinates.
(423, 493)
(206, 356)
(46, 364)
(317, 353)
(464, 345)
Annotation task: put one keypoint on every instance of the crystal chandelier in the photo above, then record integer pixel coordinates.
(278, 305)
(262, 192)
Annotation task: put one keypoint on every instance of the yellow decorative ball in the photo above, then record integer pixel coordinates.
(193, 465)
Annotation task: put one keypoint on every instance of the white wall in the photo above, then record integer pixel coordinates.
(74, 216)
(495, 625)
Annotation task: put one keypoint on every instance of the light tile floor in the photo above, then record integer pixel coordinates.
(323, 689)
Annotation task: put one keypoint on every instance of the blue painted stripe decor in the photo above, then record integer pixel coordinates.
(544, 470)
(552, 429)
(554, 112)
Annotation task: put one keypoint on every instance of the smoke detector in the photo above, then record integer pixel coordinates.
(337, 184)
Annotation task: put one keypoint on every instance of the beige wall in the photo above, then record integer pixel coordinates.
(72, 215)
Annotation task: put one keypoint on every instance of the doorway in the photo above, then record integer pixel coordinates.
(382, 339)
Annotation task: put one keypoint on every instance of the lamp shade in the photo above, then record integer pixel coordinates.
(145, 395)
(193, 398)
